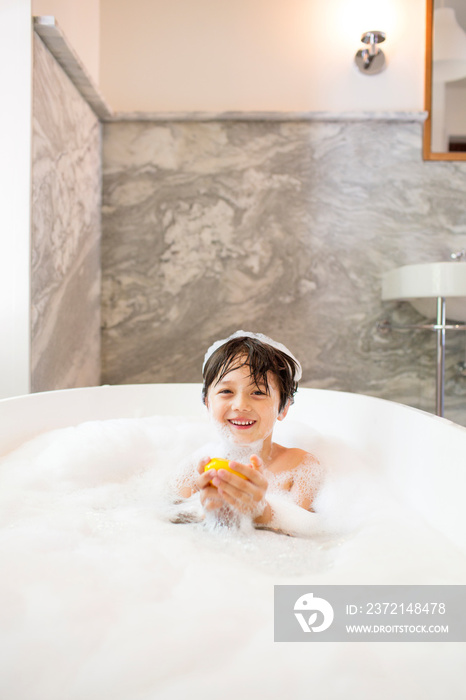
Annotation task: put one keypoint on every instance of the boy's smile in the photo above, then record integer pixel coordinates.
(246, 410)
(242, 424)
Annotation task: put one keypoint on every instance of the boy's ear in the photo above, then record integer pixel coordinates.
(284, 410)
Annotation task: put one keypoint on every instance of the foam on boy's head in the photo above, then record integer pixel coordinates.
(261, 354)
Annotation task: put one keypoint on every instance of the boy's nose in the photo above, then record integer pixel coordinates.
(241, 402)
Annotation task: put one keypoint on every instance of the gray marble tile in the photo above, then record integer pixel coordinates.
(282, 227)
(66, 199)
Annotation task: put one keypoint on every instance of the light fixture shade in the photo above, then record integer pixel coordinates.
(449, 47)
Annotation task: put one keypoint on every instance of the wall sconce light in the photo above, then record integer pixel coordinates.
(371, 60)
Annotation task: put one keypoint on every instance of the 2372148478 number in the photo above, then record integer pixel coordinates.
(405, 608)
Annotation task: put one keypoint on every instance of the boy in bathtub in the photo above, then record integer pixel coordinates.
(249, 384)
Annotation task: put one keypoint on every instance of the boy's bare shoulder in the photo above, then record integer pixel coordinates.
(288, 458)
(300, 457)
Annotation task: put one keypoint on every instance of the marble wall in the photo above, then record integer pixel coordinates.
(66, 201)
(281, 227)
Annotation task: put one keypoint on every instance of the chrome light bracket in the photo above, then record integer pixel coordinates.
(371, 61)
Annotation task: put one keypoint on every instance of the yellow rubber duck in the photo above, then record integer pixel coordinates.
(217, 463)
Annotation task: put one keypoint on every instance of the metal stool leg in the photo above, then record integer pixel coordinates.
(440, 389)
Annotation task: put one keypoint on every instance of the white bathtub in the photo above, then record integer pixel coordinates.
(139, 648)
(423, 454)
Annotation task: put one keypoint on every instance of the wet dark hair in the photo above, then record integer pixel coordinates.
(260, 358)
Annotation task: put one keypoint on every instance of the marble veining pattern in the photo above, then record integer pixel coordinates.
(283, 227)
(66, 200)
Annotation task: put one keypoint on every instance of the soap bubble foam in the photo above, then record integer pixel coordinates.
(104, 596)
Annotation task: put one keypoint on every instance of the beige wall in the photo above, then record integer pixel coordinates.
(80, 21)
(218, 55)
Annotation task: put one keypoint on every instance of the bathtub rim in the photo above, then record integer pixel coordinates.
(26, 416)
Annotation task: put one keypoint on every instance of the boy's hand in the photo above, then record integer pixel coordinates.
(245, 495)
(210, 497)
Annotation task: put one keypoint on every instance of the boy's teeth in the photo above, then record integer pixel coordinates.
(242, 422)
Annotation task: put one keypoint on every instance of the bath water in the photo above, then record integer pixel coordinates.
(103, 596)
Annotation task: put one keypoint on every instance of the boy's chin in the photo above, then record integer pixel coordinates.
(241, 451)
(235, 437)
(241, 437)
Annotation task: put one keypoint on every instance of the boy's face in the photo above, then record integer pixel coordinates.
(246, 411)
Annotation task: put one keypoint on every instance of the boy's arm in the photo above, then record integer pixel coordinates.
(266, 517)
(184, 483)
(306, 479)
(186, 492)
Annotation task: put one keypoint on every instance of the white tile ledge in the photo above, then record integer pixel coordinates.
(269, 116)
(60, 48)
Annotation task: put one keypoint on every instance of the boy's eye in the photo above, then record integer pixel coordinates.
(260, 392)
(225, 391)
